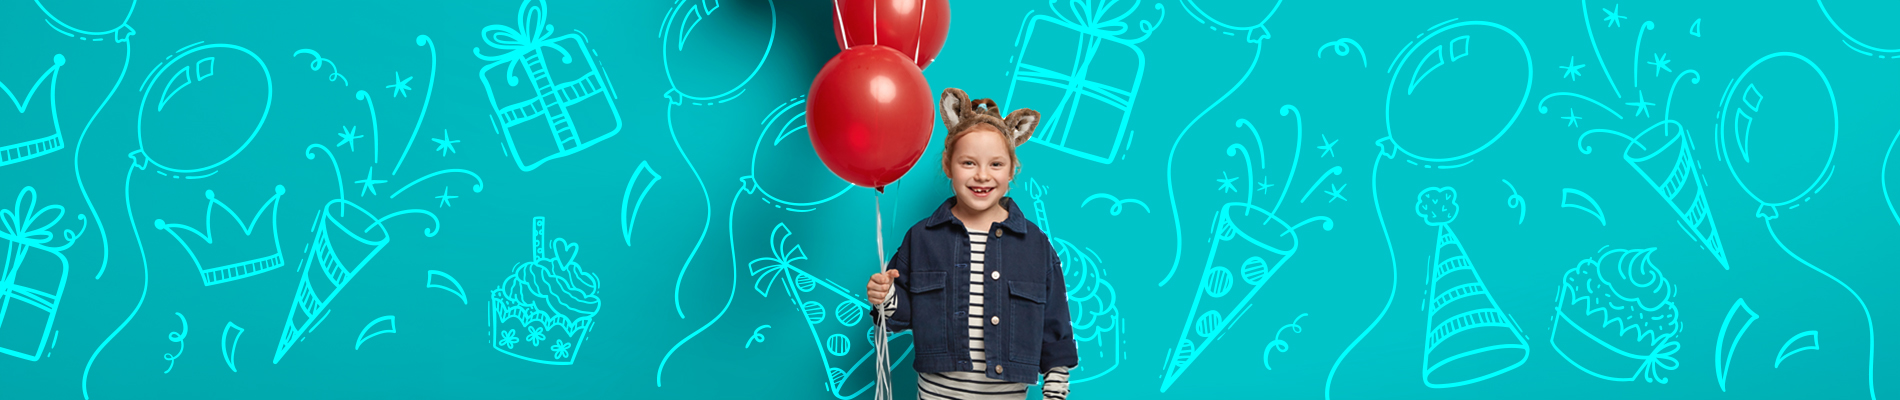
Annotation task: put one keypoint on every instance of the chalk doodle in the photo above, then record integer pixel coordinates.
(14, 153)
(551, 297)
(1341, 48)
(345, 238)
(1617, 318)
(179, 338)
(1486, 55)
(703, 73)
(1849, 11)
(1662, 152)
(1256, 35)
(835, 351)
(758, 336)
(244, 240)
(557, 114)
(228, 343)
(317, 63)
(1097, 322)
(1468, 337)
(1279, 344)
(1783, 139)
(447, 283)
(1114, 203)
(1072, 81)
(1581, 201)
(33, 275)
(1726, 343)
(378, 326)
(1516, 201)
(1813, 342)
(172, 143)
(643, 178)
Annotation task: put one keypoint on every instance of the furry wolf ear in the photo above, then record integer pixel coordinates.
(1021, 124)
(953, 104)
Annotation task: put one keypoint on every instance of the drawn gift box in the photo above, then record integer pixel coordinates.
(1072, 68)
(33, 275)
(549, 97)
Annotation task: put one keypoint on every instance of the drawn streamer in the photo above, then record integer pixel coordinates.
(447, 283)
(229, 342)
(1583, 202)
(1516, 201)
(1279, 344)
(185, 329)
(1813, 342)
(385, 324)
(1725, 343)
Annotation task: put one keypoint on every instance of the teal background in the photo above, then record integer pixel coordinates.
(682, 312)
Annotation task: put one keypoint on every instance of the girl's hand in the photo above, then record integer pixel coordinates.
(879, 286)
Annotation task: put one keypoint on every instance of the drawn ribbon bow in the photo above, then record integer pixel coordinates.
(530, 32)
(1661, 358)
(1095, 15)
(29, 225)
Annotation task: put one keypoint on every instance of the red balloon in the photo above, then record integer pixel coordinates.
(870, 115)
(916, 28)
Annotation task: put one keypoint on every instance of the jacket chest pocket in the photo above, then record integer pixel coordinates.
(930, 312)
(1026, 303)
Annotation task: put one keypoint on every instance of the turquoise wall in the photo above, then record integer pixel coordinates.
(1310, 199)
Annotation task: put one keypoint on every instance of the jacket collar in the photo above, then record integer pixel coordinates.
(1014, 223)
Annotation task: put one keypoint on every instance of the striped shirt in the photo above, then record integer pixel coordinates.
(975, 384)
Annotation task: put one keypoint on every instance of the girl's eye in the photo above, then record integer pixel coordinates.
(968, 163)
(996, 165)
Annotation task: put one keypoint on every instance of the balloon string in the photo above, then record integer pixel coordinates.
(883, 333)
(917, 46)
(838, 12)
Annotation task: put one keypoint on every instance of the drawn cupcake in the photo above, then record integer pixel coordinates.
(1616, 317)
(544, 311)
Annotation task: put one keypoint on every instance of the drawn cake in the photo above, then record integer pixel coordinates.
(1616, 317)
(545, 309)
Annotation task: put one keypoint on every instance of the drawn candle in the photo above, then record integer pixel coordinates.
(1468, 338)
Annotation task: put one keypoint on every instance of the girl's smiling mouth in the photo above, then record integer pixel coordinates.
(981, 191)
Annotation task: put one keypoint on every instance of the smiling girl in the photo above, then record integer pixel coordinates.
(978, 285)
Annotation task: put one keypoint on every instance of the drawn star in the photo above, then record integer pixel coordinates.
(1335, 192)
(1612, 17)
(1661, 63)
(1328, 148)
(401, 86)
(1642, 107)
(1264, 186)
(445, 197)
(1570, 71)
(445, 145)
(1226, 184)
(1573, 117)
(369, 184)
(349, 137)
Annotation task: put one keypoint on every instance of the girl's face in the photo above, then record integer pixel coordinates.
(980, 169)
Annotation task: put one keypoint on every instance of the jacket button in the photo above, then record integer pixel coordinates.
(999, 368)
(996, 275)
(996, 320)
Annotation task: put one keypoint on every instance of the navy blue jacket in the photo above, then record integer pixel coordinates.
(1027, 292)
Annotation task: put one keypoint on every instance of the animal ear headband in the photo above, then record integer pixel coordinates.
(960, 113)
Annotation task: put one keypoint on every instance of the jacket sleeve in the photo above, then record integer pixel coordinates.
(1058, 334)
(899, 318)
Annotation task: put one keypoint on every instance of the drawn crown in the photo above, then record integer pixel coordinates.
(231, 246)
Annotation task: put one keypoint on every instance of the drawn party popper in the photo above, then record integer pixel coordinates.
(345, 237)
(1468, 338)
(1249, 245)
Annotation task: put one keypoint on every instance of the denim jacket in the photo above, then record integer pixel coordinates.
(1027, 292)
